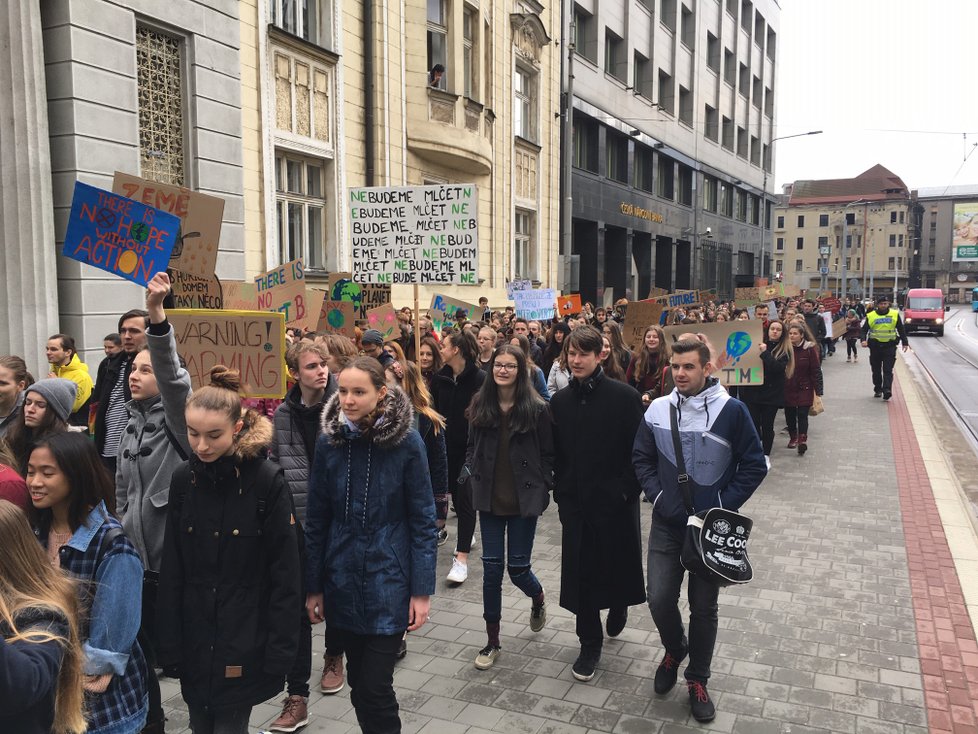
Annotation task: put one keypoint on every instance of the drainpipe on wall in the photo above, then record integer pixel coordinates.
(368, 91)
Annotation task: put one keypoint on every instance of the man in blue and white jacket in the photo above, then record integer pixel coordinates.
(725, 463)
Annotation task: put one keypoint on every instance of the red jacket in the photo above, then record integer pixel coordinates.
(806, 382)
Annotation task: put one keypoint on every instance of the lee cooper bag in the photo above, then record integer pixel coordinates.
(715, 545)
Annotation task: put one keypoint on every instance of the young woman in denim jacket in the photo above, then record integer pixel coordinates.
(73, 500)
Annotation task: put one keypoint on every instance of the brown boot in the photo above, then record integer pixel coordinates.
(802, 443)
(794, 440)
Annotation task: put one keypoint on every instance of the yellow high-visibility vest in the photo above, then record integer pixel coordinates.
(883, 327)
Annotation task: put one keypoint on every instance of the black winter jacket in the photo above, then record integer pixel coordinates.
(771, 391)
(230, 583)
(452, 397)
(29, 673)
(121, 361)
(531, 455)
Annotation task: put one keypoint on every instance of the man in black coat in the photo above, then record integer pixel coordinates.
(597, 494)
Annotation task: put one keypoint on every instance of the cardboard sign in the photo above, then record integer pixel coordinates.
(535, 305)
(838, 328)
(735, 346)
(710, 295)
(746, 295)
(283, 289)
(239, 296)
(790, 291)
(658, 293)
(769, 291)
(251, 342)
(443, 309)
(569, 305)
(189, 291)
(383, 319)
(517, 285)
(314, 305)
(200, 218)
(415, 234)
(119, 235)
(336, 317)
(639, 317)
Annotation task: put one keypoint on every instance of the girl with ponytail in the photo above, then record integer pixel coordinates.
(229, 581)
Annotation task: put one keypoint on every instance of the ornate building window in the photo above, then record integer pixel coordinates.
(524, 246)
(300, 206)
(159, 84)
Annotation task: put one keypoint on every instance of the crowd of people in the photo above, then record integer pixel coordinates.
(151, 528)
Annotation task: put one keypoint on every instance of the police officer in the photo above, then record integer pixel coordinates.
(882, 329)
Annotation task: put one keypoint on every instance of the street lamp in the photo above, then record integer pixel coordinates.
(764, 189)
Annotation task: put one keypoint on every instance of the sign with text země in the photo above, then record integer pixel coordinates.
(119, 235)
(415, 234)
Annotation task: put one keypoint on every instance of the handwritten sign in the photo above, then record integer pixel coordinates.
(190, 291)
(517, 285)
(443, 310)
(710, 295)
(119, 235)
(734, 346)
(283, 289)
(535, 305)
(336, 317)
(746, 295)
(251, 342)
(239, 296)
(415, 234)
(200, 220)
(567, 305)
(639, 317)
(658, 292)
(680, 299)
(383, 319)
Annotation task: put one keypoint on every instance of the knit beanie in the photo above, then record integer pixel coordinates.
(59, 394)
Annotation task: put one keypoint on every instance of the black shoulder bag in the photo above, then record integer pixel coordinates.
(715, 546)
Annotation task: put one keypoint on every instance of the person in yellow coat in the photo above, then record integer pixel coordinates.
(65, 363)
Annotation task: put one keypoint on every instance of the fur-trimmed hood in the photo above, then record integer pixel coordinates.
(390, 429)
(255, 437)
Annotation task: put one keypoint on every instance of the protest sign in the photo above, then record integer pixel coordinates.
(735, 347)
(283, 289)
(239, 296)
(119, 235)
(745, 295)
(190, 291)
(831, 304)
(679, 299)
(535, 305)
(568, 305)
(200, 218)
(249, 341)
(639, 317)
(790, 291)
(658, 292)
(769, 291)
(383, 319)
(314, 304)
(443, 311)
(710, 295)
(838, 328)
(336, 317)
(517, 285)
(415, 234)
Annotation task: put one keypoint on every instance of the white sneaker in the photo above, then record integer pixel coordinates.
(767, 460)
(459, 572)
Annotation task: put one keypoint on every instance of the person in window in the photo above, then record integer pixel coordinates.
(435, 76)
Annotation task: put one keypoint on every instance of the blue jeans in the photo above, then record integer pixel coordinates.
(521, 531)
(665, 573)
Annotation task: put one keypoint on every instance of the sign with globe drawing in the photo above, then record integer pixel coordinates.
(734, 346)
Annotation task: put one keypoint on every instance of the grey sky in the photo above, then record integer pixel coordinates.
(868, 72)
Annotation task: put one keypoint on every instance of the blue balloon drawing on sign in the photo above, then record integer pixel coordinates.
(737, 344)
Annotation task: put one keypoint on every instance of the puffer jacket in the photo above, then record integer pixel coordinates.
(230, 580)
(289, 445)
(147, 456)
(77, 372)
(720, 448)
(370, 532)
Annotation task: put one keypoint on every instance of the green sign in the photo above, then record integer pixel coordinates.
(965, 252)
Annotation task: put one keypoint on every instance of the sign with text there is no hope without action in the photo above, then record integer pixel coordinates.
(415, 234)
(119, 235)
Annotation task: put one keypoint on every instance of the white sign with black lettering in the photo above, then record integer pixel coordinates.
(415, 234)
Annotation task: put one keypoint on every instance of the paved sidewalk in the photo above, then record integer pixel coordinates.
(825, 639)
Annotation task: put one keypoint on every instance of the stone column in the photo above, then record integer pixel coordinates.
(28, 257)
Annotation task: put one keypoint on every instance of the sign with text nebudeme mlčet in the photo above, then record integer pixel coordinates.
(415, 234)
(119, 235)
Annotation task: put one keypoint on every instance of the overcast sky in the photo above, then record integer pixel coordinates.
(884, 79)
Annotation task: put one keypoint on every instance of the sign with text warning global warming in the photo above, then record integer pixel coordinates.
(415, 234)
(252, 342)
(119, 235)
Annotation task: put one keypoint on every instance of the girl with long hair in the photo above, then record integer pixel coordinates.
(555, 345)
(610, 365)
(537, 377)
(370, 534)
(621, 353)
(14, 380)
(73, 506)
(429, 359)
(40, 653)
(648, 371)
(510, 457)
(764, 400)
(802, 385)
(45, 411)
(229, 583)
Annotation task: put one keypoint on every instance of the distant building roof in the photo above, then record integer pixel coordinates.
(947, 192)
(874, 184)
